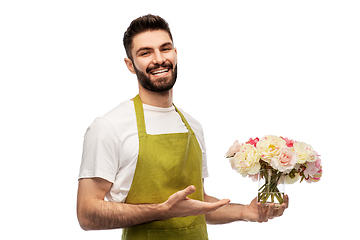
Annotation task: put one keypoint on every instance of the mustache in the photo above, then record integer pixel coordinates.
(156, 66)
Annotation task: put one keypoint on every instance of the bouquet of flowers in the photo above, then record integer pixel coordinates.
(275, 159)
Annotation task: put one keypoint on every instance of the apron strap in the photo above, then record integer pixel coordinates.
(140, 119)
(139, 111)
(184, 120)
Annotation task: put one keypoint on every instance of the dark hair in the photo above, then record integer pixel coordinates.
(143, 24)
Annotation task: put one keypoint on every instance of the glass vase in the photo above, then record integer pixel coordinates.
(271, 187)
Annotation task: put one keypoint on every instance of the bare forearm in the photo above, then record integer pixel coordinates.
(227, 214)
(101, 215)
(96, 214)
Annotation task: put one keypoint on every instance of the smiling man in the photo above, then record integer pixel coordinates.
(153, 60)
(148, 158)
(164, 72)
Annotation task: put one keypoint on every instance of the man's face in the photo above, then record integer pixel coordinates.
(154, 60)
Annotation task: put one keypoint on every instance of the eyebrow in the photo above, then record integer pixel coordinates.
(149, 48)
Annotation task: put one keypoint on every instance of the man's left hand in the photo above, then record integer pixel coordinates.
(257, 212)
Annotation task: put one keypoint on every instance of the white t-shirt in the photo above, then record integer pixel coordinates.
(111, 144)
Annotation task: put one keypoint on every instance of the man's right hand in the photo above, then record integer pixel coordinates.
(179, 205)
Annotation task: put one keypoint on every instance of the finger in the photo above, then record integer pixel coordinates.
(182, 194)
(220, 204)
(270, 212)
(286, 201)
(260, 212)
(281, 210)
(201, 207)
(189, 190)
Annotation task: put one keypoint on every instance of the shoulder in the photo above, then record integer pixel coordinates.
(122, 115)
(115, 120)
(123, 110)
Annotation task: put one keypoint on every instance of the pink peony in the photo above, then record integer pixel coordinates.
(289, 142)
(233, 149)
(313, 168)
(316, 177)
(253, 141)
(285, 161)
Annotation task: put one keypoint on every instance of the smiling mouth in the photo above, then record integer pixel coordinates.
(159, 72)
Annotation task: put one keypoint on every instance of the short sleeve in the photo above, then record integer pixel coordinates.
(100, 151)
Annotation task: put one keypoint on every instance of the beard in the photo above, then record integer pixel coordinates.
(161, 84)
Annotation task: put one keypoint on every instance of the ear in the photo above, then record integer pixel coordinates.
(129, 65)
(175, 52)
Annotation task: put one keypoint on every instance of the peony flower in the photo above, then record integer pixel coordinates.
(289, 180)
(253, 141)
(269, 147)
(246, 160)
(233, 149)
(305, 152)
(316, 177)
(289, 142)
(313, 168)
(285, 161)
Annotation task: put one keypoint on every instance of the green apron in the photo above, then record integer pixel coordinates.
(166, 164)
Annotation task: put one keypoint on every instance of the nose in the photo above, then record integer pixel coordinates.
(158, 58)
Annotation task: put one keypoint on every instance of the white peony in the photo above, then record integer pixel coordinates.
(289, 180)
(246, 161)
(305, 152)
(269, 147)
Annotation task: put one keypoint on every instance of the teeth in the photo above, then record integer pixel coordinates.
(160, 71)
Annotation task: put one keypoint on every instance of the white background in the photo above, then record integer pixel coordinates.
(246, 69)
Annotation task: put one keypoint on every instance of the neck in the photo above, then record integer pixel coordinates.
(157, 99)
